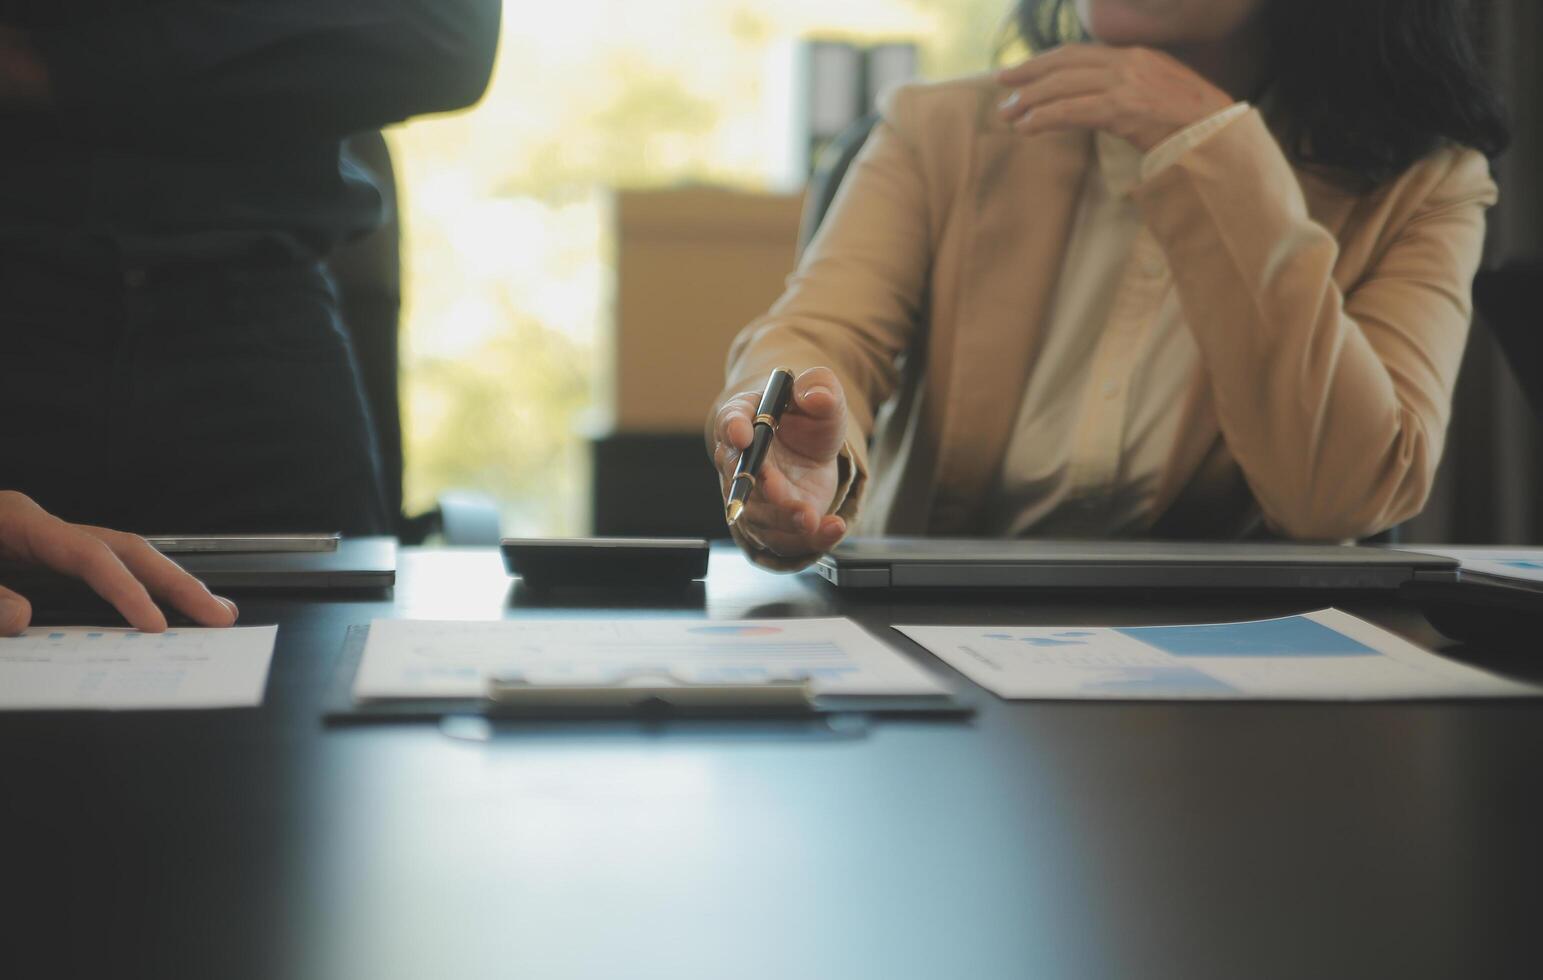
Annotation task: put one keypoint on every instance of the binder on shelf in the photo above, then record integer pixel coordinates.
(884, 67)
(818, 87)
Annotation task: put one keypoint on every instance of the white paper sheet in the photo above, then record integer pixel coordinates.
(86, 668)
(1326, 655)
(417, 659)
(1518, 563)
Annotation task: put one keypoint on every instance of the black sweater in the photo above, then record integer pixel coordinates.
(190, 129)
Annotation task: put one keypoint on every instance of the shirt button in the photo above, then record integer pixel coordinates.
(134, 278)
(1111, 389)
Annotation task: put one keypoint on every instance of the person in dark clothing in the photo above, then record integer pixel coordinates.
(173, 177)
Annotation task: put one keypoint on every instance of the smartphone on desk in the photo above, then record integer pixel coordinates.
(651, 563)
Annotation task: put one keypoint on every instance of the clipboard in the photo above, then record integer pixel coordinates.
(646, 696)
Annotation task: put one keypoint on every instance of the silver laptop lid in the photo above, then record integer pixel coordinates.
(970, 563)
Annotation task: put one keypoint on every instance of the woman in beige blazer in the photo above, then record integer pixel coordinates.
(1208, 272)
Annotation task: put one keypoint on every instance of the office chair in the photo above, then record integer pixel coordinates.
(368, 273)
(1508, 300)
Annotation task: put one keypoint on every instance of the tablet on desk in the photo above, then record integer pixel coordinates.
(354, 563)
(954, 563)
(188, 544)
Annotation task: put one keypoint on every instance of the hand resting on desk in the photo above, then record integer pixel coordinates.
(120, 567)
(789, 512)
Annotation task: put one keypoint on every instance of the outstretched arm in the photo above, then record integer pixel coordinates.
(852, 307)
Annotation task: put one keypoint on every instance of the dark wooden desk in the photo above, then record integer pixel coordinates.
(1037, 840)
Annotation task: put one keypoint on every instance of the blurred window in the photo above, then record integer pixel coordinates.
(505, 211)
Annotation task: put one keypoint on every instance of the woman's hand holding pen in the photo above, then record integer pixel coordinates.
(788, 511)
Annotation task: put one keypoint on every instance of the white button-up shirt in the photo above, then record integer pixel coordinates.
(1101, 412)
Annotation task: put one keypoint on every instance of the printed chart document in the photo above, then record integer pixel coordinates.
(1326, 655)
(427, 659)
(89, 668)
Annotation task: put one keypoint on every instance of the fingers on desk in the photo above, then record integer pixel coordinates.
(167, 580)
(83, 554)
(15, 612)
(121, 568)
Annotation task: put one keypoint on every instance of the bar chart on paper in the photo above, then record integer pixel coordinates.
(1325, 655)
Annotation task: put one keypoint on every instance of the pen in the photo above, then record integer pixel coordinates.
(768, 415)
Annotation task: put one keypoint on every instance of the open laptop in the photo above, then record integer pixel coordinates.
(942, 563)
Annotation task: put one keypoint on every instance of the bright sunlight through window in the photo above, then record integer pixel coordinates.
(505, 211)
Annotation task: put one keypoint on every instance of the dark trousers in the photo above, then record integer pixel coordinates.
(187, 398)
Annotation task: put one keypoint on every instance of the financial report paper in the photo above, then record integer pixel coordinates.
(1326, 655)
(429, 659)
(75, 668)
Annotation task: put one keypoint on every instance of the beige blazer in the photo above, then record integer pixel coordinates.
(1330, 321)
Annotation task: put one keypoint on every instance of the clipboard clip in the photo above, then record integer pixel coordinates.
(647, 690)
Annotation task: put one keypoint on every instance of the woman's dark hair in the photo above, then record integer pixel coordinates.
(1365, 87)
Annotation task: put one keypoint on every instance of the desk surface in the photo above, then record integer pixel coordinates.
(1036, 840)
